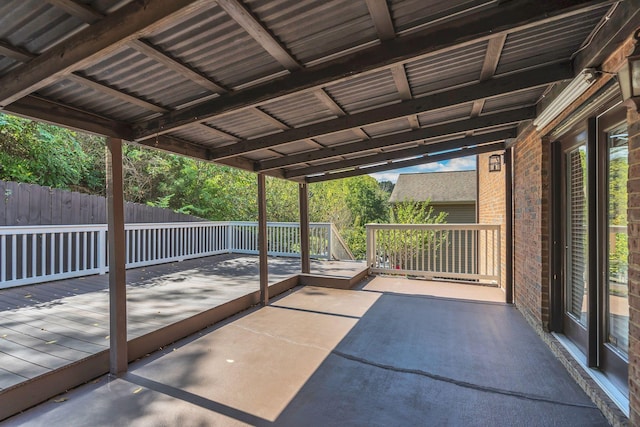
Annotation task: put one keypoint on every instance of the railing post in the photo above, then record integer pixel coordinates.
(102, 251)
(370, 246)
(329, 241)
(229, 238)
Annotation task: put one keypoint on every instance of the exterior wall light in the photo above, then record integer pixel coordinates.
(629, 76)
(495, 163)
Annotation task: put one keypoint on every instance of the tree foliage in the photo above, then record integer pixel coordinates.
(48, 155)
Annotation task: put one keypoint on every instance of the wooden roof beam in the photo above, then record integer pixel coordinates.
(499, 86)
(381, 17)
(34, 107)
(79, 10)
(130, 22)
(153, 52)
(14, 52)
(401, 81)
(621, 22)
(399, 154)
(463, 152)
(90, 16)
(256, 29)
(504, 118)
(485, 24)
(116, 93)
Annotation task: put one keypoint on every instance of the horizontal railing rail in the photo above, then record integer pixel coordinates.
(448, 251)
(36, 254)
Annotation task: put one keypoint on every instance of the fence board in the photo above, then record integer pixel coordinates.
(66, 211)
(22, 199)
(28, 204)
(3, 203)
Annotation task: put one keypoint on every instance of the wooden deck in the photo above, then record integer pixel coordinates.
(44, 327)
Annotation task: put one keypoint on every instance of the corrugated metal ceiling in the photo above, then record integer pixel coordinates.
(211, 57)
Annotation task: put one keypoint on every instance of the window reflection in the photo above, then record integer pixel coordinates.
(618, 250)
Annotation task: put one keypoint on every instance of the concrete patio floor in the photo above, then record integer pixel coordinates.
(381, 355)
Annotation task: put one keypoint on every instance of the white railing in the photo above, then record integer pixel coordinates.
(449, 251)
(36, 254)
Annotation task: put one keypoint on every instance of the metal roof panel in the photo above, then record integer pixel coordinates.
(314, 29)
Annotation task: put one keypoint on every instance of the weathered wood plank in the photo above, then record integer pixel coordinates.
(23, 367)
(44, 359)
(8, 379)
(51, 332)
(52, 347)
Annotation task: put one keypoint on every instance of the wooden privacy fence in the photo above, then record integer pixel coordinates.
(36, 254)
(447, 251)
(29, 204)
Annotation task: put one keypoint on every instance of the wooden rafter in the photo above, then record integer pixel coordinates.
(239, 13)
(494, 87)
(130, 22)
(269, 118)
(14, 52)
(176, 65)
(218, 132)
(623, 21)
(79, 10)
(492, 57)
(329, 102)
(399, 154)
(462, 152)
(381, 17)
(488, 121)
(52, 112)
(401, 81)
(90, 15)
(116, 93)
(511, 16)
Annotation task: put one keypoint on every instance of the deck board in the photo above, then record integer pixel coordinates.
(48, 325)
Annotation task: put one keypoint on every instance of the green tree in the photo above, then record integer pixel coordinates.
(40, 153)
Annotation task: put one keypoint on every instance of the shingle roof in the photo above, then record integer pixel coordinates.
(439, 187)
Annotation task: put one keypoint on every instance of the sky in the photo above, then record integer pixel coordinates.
(459, 164)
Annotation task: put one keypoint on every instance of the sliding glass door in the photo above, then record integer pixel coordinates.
(591, 246)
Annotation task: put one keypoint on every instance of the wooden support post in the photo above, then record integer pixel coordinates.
(117, 250)
(305, 255)
(508, 279)
(262, 240)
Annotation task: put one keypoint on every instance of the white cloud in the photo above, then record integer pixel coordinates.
(385, 176)
(459, 164)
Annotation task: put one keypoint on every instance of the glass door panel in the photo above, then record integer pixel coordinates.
(617, 321)
(576, 259)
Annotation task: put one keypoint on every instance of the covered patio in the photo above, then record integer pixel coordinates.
(311, 91)
(383, 354)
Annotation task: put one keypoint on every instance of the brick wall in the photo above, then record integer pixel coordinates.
(491, 202)
(527, 227)
(633, 120)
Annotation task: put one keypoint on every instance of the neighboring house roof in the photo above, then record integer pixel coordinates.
(439, 187)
